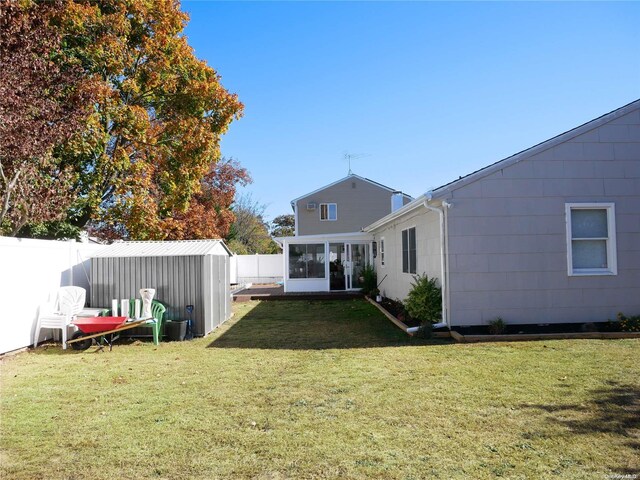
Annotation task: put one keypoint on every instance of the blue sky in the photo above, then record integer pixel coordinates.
(427, 91)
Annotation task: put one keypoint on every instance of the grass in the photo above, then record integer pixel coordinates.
(322, 390)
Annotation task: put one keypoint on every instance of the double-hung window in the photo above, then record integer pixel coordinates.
(328, 211)
(591, 239)
(409, 250)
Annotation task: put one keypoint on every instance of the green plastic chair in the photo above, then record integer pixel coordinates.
(157, 311)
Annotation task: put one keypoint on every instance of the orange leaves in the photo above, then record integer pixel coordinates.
(145, 161)
(207, 214)
(132, 122)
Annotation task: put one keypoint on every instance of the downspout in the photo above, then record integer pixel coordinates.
(285, 267)
(444, 270)
(294, 206)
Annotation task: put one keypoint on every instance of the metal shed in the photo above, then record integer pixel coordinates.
(188, 272)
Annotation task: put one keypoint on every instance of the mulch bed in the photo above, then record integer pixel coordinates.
(396, 309)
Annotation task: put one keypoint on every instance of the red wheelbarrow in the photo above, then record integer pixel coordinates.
(103, 329)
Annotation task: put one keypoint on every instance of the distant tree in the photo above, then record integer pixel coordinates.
(283, 226)
(42, 103)
(209, 214)
(249, 233)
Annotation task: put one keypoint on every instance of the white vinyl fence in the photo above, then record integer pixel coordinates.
(257, 268)
(30, 271)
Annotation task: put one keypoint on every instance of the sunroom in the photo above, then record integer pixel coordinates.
(325, 263)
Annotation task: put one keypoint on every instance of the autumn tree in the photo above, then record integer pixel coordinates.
(148, 154)
(249, 233)
(283, 226)
(42, 103)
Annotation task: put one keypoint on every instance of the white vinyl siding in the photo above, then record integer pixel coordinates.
(591, 241)
(328, 212)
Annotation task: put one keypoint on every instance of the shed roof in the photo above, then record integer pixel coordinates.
(180, 248)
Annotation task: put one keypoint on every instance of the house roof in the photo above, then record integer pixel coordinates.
(322, 237)
(179, 248)
(442, 190)
(397, 213)
(349, 177)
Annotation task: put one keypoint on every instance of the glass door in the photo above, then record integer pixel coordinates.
(346, 261)
(337, 266)
(358, 258)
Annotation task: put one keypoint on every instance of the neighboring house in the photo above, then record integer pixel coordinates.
(549, 235)
(345, 206)
(329, 249)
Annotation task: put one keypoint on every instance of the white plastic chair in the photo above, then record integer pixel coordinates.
(69, 302)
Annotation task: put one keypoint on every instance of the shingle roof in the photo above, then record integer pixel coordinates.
(348, 177)
(444, 190)
(596, 122)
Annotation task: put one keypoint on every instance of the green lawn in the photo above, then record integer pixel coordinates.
(322, 390)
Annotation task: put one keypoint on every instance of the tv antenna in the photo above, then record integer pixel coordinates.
(353, 156)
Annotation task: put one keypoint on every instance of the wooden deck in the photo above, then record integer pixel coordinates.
(276, 292)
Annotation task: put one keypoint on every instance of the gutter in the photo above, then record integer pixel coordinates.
(294, 207)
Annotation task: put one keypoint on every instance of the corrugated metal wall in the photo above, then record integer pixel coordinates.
(179, 281)
(216, 278)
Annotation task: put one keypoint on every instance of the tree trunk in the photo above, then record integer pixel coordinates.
(6, 197)
(18, 225)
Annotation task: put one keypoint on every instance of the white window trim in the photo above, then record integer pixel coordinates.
(328, 219)
(381, 252)
(612, 256)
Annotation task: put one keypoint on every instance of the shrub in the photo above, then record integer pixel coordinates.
(497, 326)
(369, 279)
(424, 302)
(629, 324)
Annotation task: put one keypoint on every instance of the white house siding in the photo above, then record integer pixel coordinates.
(397, 284)
(507, 238)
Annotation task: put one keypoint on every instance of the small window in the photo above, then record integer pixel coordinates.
(591, 242)
(409, 250)
(381, 252)
(328, 211)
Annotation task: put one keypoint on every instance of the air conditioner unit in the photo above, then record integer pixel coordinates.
(311, 206)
